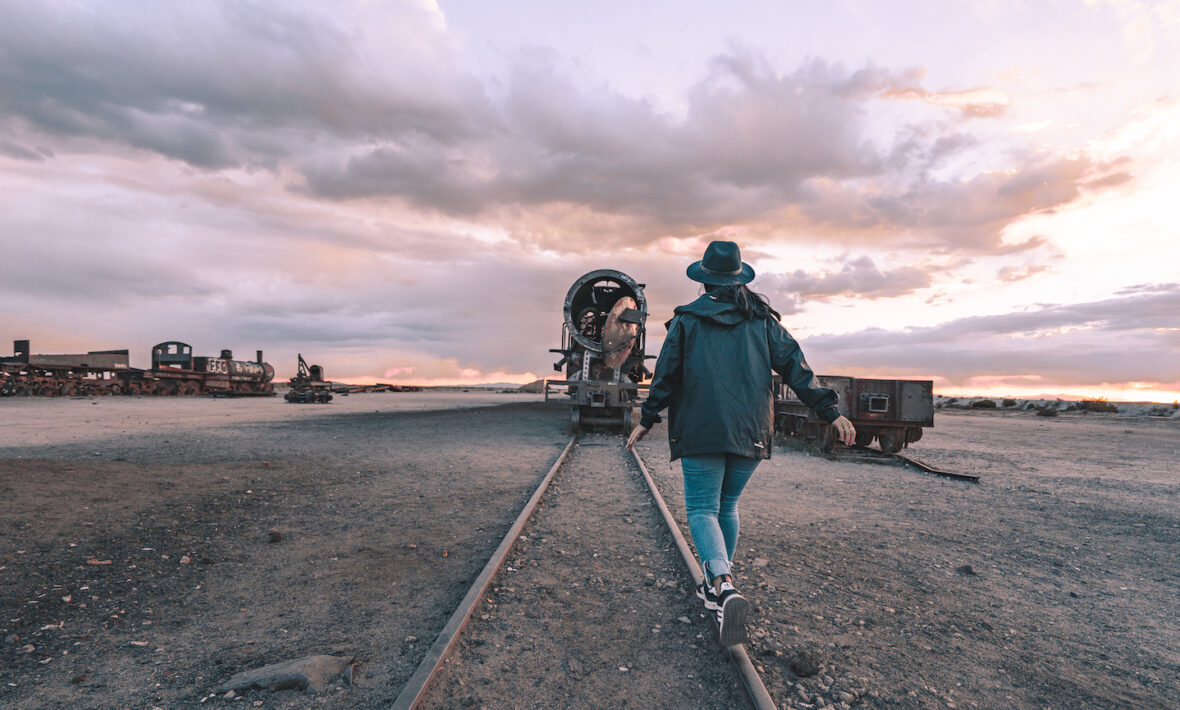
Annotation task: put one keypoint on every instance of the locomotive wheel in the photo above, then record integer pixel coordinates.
(47, 391)
(913, 434)
(627, 421)
(165, 389)
(575, 419)
(189, 389)
(891, 440)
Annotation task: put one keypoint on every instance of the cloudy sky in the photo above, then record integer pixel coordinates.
(982, 193)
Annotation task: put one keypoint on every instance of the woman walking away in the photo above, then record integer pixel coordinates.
(714, 375)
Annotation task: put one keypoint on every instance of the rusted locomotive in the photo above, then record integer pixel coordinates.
(891, 411)
(174, 371)
(602, 349)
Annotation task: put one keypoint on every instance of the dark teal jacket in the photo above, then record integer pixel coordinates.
(714, 377)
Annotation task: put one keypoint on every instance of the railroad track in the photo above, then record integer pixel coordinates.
(865, 454)
(586, 602)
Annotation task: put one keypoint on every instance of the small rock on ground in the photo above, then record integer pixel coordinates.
(804, 665)
(307, 673)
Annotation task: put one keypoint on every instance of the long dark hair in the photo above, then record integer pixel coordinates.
(752, 305)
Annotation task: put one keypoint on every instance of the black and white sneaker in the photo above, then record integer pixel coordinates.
(705, 592)
(731, 615)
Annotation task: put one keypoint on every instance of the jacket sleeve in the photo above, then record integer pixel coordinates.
(786, 357)
(665, 382)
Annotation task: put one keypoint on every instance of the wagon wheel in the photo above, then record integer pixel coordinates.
(627, 421)
(575, 419)
(913, 434)
(891, 440)
(864, 438)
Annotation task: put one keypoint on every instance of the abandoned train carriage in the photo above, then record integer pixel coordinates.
(28, 375)
(891, 411)
(175, 371)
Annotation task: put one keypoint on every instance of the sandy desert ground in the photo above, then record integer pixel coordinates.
(151, 548)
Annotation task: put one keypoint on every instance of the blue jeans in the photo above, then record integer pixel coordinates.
(712, 486)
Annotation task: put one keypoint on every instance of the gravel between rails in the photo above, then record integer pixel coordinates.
(593, 608)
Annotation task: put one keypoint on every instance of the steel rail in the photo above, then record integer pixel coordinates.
(868, 455)
(415, 689)
(937, 472)
(759, 696)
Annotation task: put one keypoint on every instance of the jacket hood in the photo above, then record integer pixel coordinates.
(707, 308)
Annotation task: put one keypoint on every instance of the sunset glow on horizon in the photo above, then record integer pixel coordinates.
(983, 193)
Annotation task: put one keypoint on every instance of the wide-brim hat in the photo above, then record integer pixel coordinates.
(722, 266)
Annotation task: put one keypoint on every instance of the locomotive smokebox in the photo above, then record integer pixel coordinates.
(602, 348)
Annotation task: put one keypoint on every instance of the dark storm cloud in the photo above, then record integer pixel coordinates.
(923, 147)
(1065, 343)
(424, 173)
(748, 142)
(19, 152)
(221, 84)
(858, 278)
(951, 213)
(368, 102)
(752, 144)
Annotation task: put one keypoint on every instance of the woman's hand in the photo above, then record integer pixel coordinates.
(637, 433)
(844, 430)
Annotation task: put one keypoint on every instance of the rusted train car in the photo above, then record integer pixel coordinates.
(893, 412)
(95, 372)
(174, 371)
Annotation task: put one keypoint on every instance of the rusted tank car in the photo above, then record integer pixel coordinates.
(602, 349)
(891, 411)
